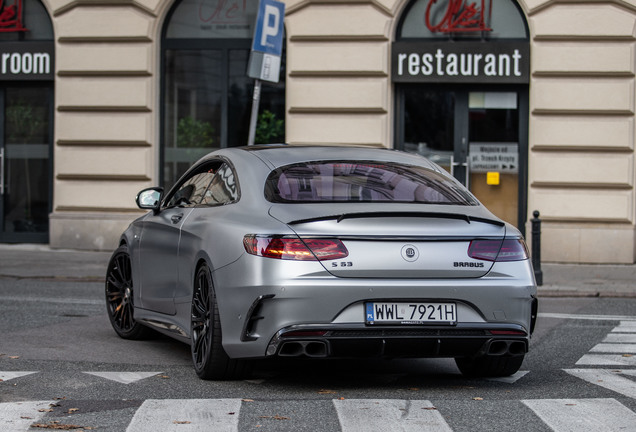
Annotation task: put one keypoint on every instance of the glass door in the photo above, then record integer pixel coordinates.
(477, 136)
(25, 148)
(493, 151)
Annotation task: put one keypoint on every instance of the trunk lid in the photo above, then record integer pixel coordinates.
(404, 243)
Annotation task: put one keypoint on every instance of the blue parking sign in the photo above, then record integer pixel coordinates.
(268, 35)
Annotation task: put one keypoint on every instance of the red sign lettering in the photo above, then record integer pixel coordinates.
(11, 16)
(225, 11)
(460, 16)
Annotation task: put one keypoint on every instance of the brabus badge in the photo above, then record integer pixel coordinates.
(410, 253)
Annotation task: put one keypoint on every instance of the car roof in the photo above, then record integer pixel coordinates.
(280, 154)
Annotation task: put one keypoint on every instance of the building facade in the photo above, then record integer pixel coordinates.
(529, 103)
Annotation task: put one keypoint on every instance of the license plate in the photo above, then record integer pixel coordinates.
(410, 313)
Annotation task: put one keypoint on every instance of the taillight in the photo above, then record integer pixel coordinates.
(293, 248)
(496, 250)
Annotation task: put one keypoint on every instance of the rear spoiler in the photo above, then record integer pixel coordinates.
(339, 218)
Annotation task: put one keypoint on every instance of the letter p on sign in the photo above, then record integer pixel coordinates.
(268, 35)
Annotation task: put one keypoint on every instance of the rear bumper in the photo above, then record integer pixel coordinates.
(350, 341)
(260, 300)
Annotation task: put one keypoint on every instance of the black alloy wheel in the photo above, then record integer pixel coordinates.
(119, 296)
(211, 362)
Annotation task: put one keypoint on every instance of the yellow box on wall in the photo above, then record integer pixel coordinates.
(492, 178)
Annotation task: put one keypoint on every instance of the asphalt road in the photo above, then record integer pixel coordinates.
(62, 365)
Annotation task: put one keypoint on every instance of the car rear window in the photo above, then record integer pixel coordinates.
(347, 181)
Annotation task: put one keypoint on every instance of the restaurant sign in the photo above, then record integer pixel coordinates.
(500, 62)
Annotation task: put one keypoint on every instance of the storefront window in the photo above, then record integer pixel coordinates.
(207, 94)
(26, 121)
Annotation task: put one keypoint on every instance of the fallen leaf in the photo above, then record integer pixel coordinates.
(26, 418)
(181, 422)
(628, 355)
(430, 408)
(59, 426)
(324, 391)
(276, 417)
(231, 413)
(72, 410)
(478, 398)
(14, 357)
(164, 377)
(247, 400)
(341, 398)
(45, 410)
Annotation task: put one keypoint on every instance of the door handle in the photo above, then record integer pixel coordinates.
(176, 218)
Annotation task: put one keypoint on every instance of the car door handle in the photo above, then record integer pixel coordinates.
(176, 218)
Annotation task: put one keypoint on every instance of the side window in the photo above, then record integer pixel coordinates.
(193, 189)
(222, 189)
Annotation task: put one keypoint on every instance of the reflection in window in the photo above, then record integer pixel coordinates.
(363, 182)
(222, 189)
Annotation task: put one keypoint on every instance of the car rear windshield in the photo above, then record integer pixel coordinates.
(346, 181)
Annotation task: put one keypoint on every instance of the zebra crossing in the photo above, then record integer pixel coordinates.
(609, 364)
(352, 415)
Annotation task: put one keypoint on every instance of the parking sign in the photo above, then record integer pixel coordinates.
(268, 36)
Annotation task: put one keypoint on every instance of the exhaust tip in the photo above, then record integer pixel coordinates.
(507, 347)
(306, 348)
(291, 349)
(498, 348)
(517, 348)
(316, 349)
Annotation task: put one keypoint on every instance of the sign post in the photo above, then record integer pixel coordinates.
(266, 53)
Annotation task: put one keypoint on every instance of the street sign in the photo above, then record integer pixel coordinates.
(267, 49)
(267, 44)
(489, 157)
(268, 36)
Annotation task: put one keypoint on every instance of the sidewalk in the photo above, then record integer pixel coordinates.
(559, 280)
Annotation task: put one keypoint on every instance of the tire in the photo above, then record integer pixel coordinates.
(210, 360)
(489, 366)
(119, 297)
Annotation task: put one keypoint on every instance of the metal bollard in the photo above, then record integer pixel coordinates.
(536, 247)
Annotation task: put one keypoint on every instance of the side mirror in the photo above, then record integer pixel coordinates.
(150, 199)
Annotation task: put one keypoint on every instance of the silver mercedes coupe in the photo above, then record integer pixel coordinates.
(323, 251)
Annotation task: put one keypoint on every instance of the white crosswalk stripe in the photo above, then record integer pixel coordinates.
(620, 338)
(6, 375)
(615, 380)
(380, 415)
(124, 377)
(369, 415)
(575, 415)
(192, 415)
(617, 349)
(614, 348)
(625, 326)
(19, 416)
(606, 360)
